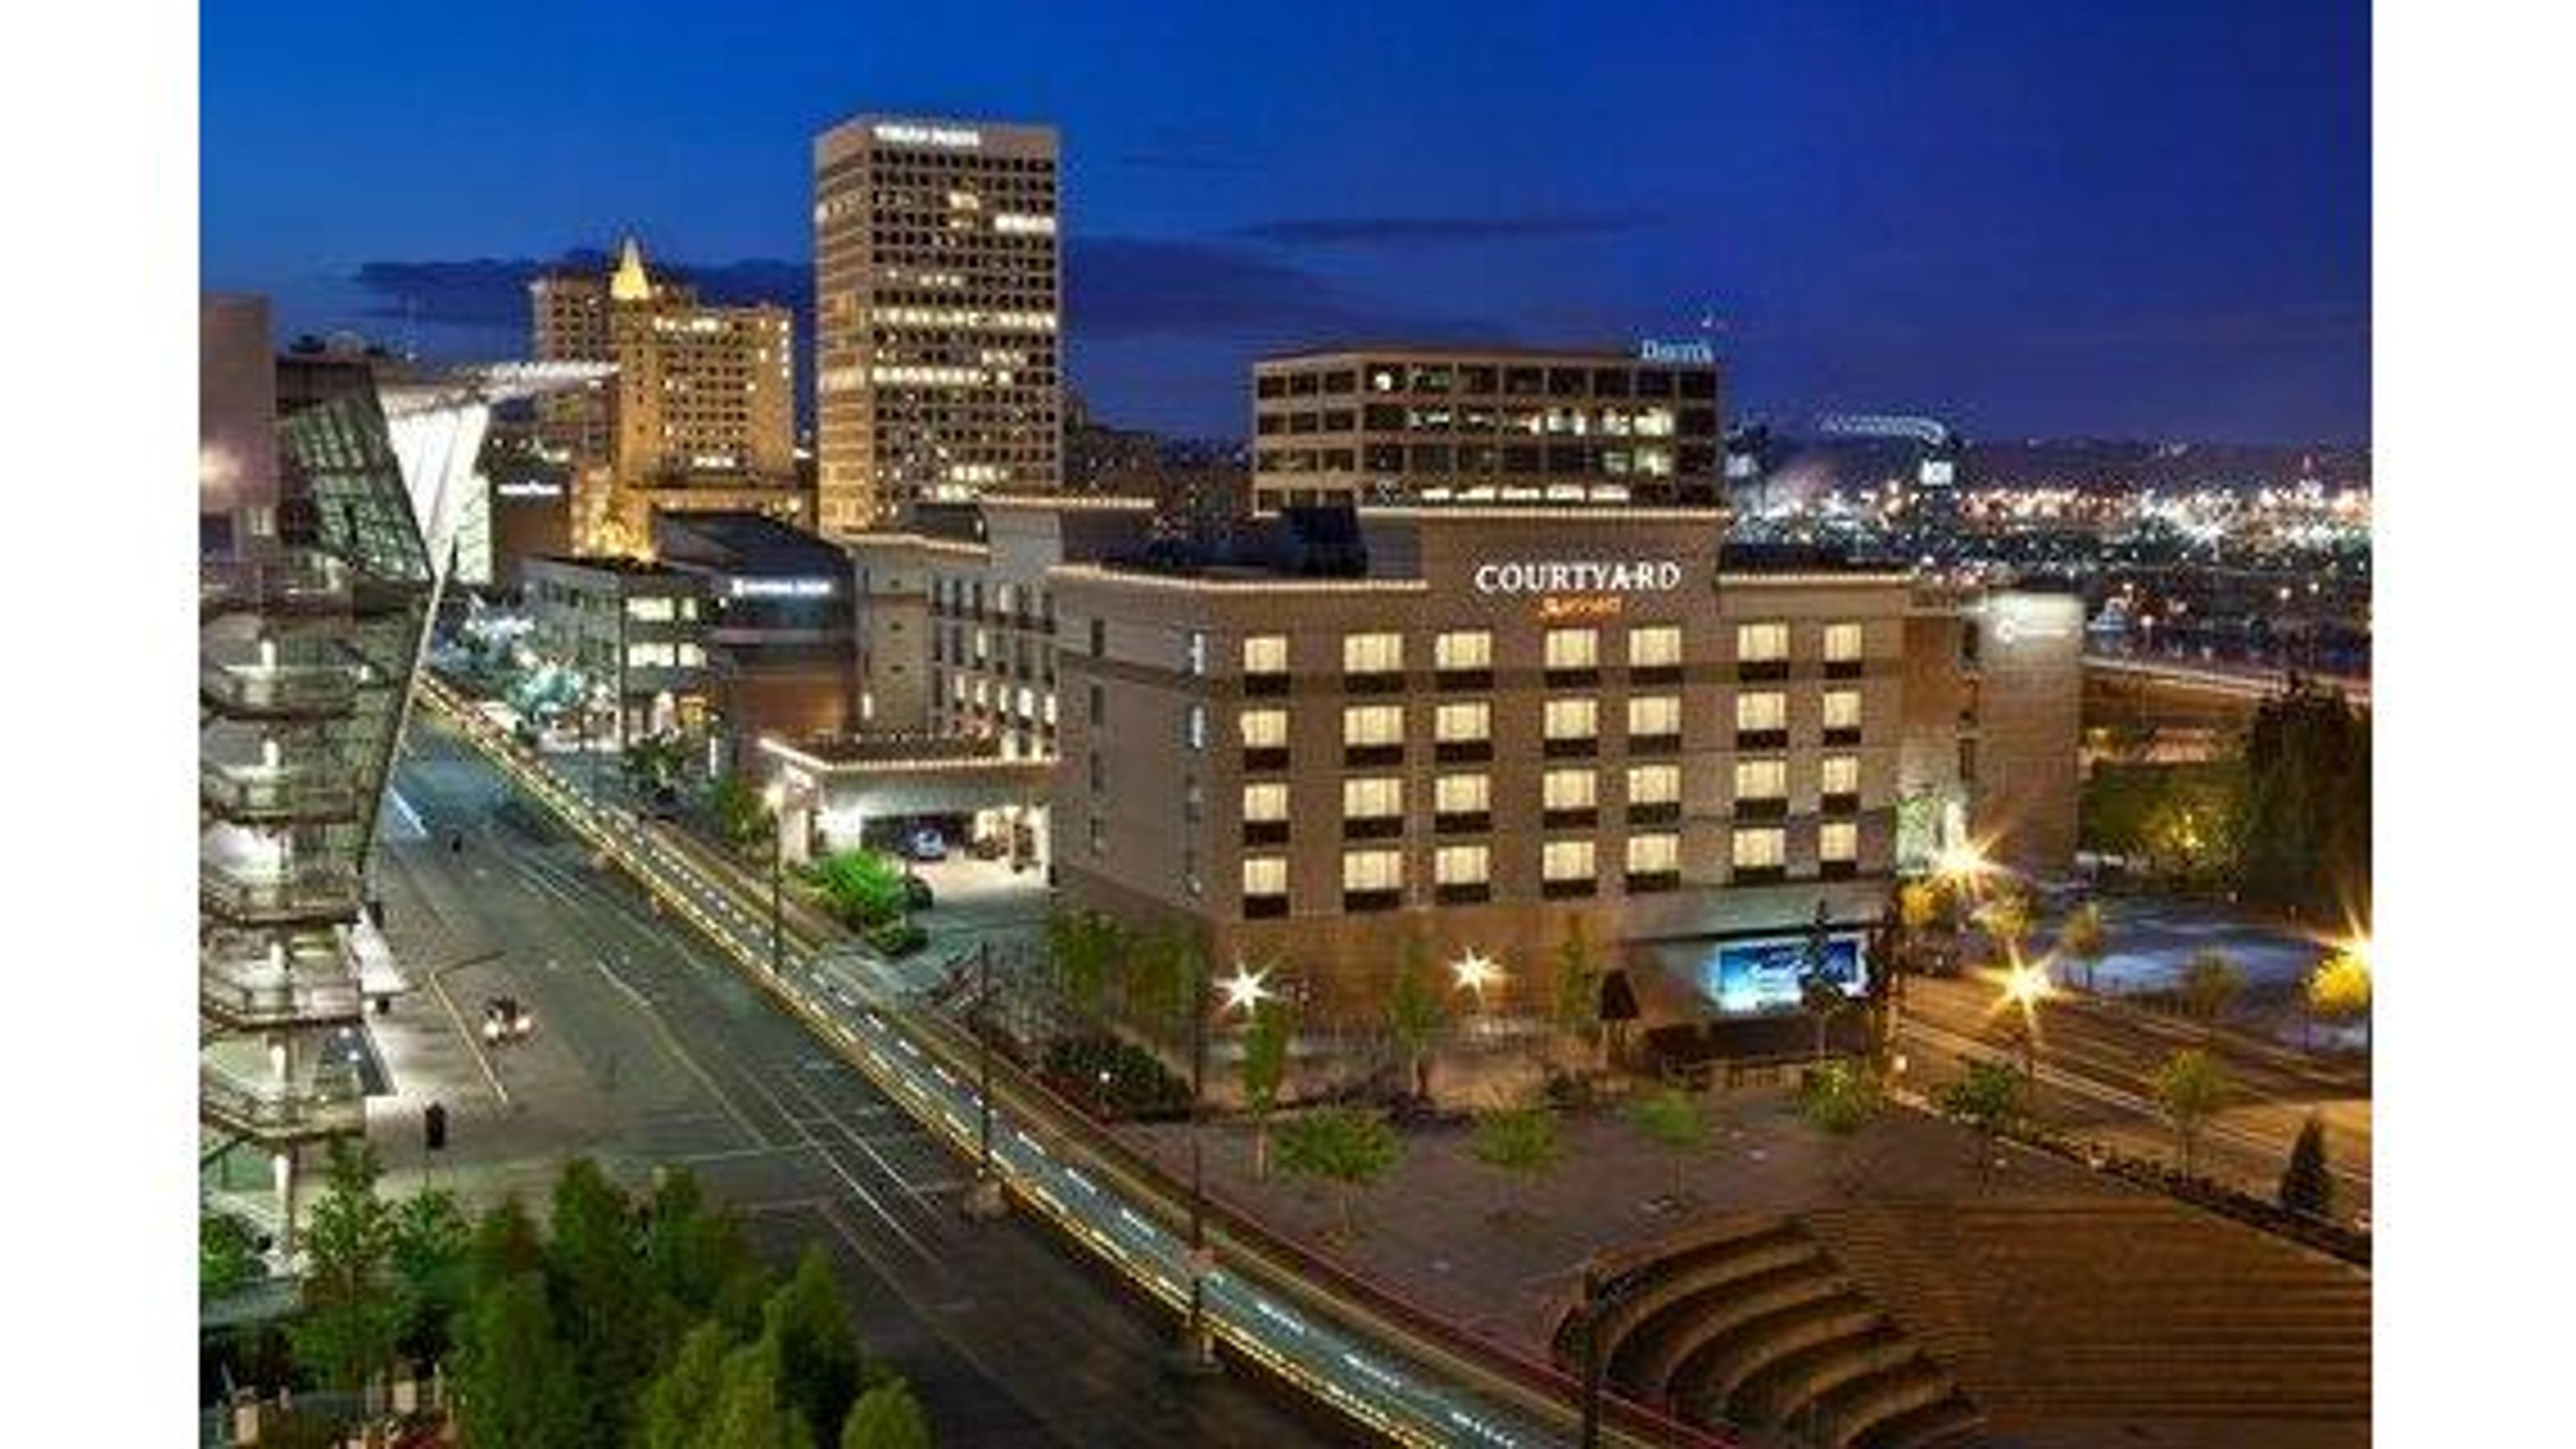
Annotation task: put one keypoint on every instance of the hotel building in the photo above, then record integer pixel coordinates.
(937, 309)
(1473, 724)
(700, 415)
(1485, 425)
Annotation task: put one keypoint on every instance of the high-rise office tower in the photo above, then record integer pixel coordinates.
(938, 298)
(700, 416)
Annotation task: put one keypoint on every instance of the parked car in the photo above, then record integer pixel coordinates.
(925, 844)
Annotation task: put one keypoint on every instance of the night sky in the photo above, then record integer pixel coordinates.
(2029, 217)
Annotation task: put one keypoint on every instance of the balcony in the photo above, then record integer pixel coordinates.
(1845, 735)
(1668, 744)
(1762, 739)
(1840, 804)
(1265, 686)
(1655, 812)
(1643, 674)
(1372, 827)
(1462, 822)
(1462, 752)
(276, 794)
(1265, 832)
(1373, 754)
(1384, 681)
(1579, 817)
(1262, 908)
(313, 893)
(1463, 893)
(1748, 875)
(1762, 807)
(295, 583)
(1463, 679)
(278, 691)
(1584, 678)
(1357, 901)
(1647, 882)
(261, 1107)
(1575, 888)
(1762, 670)
(1843, 668)
(1264, 759)
(245, 993)
(1571, 747)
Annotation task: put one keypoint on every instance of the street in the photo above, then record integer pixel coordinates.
(647, 1049)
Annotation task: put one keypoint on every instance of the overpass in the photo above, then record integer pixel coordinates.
(2186, 706)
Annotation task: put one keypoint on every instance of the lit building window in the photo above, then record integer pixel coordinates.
(1838, 841)
(1573, 648)
(1761, 779)
(1761, 848)
(1462, 794)
(1267, 801)
(1265, 654)
(1372, 653)
(1654, 714)
(1461, 865)
(1463, 723)
(1570, 789)
(1839, 775)
(1375, 797)
(1654, 646)
(1761, 710)
(1194, 652)
(1372, 870)
(1842, 643)
(1654, 784)
(1463, 649)
(1654, 854)
(1265, 875)
(1265, 729)
(1566, 860)
(1372, 724)
(652, 611)
(1761, 643)
(1193, 727)
(1573, 719)
(1842, 709)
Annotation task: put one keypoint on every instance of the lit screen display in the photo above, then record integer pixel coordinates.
(1748, 977)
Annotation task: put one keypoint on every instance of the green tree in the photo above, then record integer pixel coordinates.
(1674, 1121)
(430, 1250)
(2306, 1186)
(2084, 938)
(741, 816)
(696, 1263)
(2211, 982)
(2339, 990)
(2191, 1088)
(865, 887)
(1415, 1013)
(350, 1327)
(1575, 1001)
(2307, 803)
(2007, 918)
(1347, 1147)
(227, 1255)
(749, 1412)
(1988, 1098)
(1839, 1099)
(595, 1270)
(682, 1400)
(1082, 949)
(818, 1360)
(506, 1244)
(514, 1379)
(1520, 1142)
(1263, 1068)
(886, 1417)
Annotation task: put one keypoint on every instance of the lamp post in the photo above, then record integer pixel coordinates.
(774, 795)
(1475, 971)
(984, 1199)
(1242, 991)
(2025, 986)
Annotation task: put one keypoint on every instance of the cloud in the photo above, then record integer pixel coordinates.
(1369, 231)
(1120, 288)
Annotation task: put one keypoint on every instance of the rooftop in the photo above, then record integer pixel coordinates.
(742, 540)
(1595, 356)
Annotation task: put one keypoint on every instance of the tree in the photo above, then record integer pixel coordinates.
(2211, 981)
(2007, 918)
(886, 1417)
(818, 1361)
(1839, 1099)
(682, 1400)
(595, 1273)
(1576, 1000)
(741, 816)
(1673, 1119)
(1346, 1146)
(1415, 1012)
(865, 887)
(514, 1379)
(2339, 990)
(227, 1255)
(2084, 938)
(749, 1412)
(430, 1251)
(505, 1245)
(1521, 1142)
(2191, 1087)
(351, 1327)
(1987, 1099)
(2307, 1187)
(1263, 1069)
(1082, 947)
(2307, 803)
(696, 1262)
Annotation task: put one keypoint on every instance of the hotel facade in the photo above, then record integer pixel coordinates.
(1475, 725)
(937, 308)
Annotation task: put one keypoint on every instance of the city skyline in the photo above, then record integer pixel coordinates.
(1900, 212)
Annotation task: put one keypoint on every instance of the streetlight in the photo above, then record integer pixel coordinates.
(2025, 986)
(1476, 971)
(774, 795)
(1244, 991)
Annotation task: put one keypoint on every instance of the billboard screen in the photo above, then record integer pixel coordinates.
(1749, 977)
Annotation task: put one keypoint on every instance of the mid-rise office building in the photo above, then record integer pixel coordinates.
(1487, 425)
(937, 311)
(699, 416)
(635, 633)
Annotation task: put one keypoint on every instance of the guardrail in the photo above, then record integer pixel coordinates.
(299, 580)
(258, 791)
(313, 891)
(280, 688)
(271, 1109)
(1282, 1265)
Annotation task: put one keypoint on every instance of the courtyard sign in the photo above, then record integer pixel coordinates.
(1590, 576)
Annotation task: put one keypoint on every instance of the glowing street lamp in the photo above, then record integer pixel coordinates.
(2025, 985)
(1246, 989)
(1476, 971)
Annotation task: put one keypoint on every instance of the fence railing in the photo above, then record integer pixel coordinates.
(297, 688)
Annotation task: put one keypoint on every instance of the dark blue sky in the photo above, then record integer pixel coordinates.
(2027, 216)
